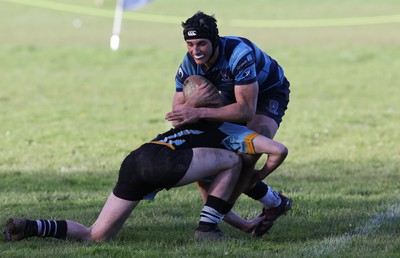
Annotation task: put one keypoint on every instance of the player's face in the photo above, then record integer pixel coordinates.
(199, 49)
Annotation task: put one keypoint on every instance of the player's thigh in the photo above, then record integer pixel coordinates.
(263, 125)
(113, 215)
(209, 162)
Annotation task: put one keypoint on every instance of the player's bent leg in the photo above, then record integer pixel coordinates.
(203, 189)
(263, 125)
(246, 174)
(77, 231)
(113, 215)
(223, 164)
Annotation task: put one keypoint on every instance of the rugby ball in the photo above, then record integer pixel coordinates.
(210, 97)
(191, 83)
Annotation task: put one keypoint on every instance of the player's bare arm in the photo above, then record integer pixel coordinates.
(178, 99)
(240, 112)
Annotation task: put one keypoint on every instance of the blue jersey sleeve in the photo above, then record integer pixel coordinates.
(243, 65)
(178, 83)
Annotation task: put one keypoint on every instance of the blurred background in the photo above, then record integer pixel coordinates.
(71, 109)
(292, 22)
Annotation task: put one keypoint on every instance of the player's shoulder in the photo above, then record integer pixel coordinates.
(237, 41)
(235, 46)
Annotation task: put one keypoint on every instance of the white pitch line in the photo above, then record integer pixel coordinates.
(393, 212)
(339, 243)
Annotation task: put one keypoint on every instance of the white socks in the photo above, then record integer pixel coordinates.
(271, 199)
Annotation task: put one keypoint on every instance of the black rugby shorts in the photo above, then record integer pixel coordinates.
(151, 167)
(273, 102)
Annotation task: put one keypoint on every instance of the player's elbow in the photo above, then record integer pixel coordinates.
(248, 117)
(247, 114)
(283, 151)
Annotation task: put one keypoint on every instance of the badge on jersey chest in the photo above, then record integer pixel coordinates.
(225, 76)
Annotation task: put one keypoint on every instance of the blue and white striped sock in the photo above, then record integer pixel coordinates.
(52, 228)
(210, 215)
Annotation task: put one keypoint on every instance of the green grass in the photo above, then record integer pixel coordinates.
(71, 109)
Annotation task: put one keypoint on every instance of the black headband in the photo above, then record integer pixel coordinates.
(193, 33)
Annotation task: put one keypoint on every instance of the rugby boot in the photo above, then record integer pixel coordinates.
(208, 233)
(17, 229)
(271, 215)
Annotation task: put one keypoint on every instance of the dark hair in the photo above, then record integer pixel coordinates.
(201, 25)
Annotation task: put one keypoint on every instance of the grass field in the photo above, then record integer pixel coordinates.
(71, 109)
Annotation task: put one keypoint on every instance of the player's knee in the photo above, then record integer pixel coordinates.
(231, 160)
(264, 125)
(99, 236)
(284, 151)
(267, 132)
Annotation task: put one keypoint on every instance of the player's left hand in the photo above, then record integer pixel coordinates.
(182, 114)
(251, 224)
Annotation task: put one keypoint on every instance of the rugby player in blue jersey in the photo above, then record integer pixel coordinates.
(255, 91)
(177, 157)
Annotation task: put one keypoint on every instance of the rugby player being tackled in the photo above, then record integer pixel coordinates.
(255, 93)
(177, 157)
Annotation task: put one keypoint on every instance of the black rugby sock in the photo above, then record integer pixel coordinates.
(30, 228)
(212, 213)
(259, 191)
(51, 228)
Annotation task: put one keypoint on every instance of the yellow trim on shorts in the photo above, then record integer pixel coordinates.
(248, 141)
(165, 144)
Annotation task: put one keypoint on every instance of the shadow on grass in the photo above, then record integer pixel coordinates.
(325, 203)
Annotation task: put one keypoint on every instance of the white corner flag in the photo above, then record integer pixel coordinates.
(120, 6)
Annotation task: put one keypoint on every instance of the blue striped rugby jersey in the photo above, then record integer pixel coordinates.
(239, 62)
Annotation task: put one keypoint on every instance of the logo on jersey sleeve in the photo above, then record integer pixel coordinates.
(246, 74)
(245, 62)
(180, 72)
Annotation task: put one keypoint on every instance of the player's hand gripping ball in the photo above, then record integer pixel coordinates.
(200, 92)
